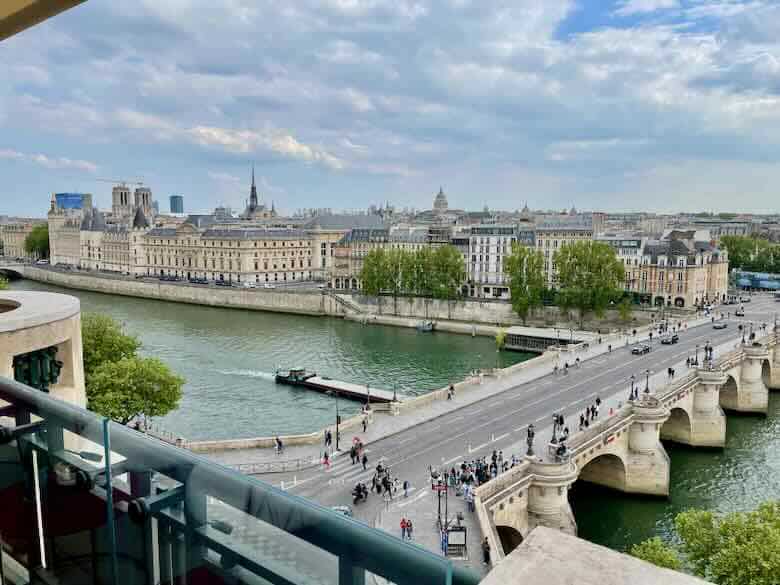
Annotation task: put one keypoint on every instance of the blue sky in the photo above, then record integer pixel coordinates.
(666, 105)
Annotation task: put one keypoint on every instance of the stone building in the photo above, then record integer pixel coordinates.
(554, 232)
(255, 209)
(14, 232)
(682, 269)
(65, 216)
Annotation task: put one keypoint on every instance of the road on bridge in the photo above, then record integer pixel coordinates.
(500, 422)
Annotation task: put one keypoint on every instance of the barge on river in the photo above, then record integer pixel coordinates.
(362, 393)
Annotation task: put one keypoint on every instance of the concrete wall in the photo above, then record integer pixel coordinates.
(300, 302)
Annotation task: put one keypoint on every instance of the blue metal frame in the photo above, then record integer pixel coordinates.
(182, 515)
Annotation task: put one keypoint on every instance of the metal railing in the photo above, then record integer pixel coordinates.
(180, 517)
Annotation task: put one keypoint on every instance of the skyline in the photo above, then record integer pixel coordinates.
(662, 105)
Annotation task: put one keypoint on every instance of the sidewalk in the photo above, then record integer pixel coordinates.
(385, 424)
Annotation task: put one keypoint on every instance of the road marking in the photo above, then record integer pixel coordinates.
(419, 496)
(499, 437)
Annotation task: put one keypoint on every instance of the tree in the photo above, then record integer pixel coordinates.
(133, 387)
(3, 283)
(624, 310)
(120, 384)
(654, 550)
(449, 272)
(590, 276)
(373, 274)
(37, 241)
(742, 548)
(103, 340)
(525, 267)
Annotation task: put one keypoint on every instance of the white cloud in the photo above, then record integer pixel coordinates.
(48, 161)
(630, 7)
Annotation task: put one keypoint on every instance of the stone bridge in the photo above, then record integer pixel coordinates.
(11, 268)
(624, 452)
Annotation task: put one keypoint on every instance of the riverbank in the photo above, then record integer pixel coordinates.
(476, 317)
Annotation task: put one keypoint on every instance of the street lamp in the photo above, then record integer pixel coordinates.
(338, 417)
(696, 356)
(647, 381)
(632, 379)
(555, 427)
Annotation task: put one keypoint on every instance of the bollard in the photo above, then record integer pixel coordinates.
(469, 447)
(492, 437)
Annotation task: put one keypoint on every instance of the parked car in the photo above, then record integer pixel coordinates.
(744, 299)
(197, 280)
(269, 285)
(739, 312)
(640, 349)
(223, 283)
(720, 325)
(670, 340)
(42, 262)
(250, 285)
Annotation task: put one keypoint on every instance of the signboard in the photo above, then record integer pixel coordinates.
(457, 536)
(439, 487)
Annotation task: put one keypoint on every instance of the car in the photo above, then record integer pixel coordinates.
(739, 312)
(670, 340)
(42, 262)
(744, 299)
(720, 325)
(223, 283)
(320, 286)
(640, 349)
(269, 285)
(250, 285)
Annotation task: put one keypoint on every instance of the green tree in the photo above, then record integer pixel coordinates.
(120, 384)
(449, 272)
(103, 340)
(589, 276)
(373, 275)
(742, 548)
(525, 268)
(133, 387)
(37, 242)
(3, 283)
(654, 550)
(624, 310)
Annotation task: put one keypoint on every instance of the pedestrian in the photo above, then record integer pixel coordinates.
(365, 423)
(352, 454)
(485, 552)
(364, 461)
(328, 438)
(403, 528)
(409, 528)
(406, 488)
(326, 460)
(598, 401)
(688, 362)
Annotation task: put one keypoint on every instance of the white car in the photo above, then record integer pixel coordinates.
(269, 285)
(250, 285)
(42, 262)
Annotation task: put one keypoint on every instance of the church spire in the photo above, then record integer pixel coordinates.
(253, 192)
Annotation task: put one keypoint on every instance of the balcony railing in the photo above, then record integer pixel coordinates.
(85, 500)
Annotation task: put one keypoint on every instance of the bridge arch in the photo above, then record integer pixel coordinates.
(10, 273)
(607, 469)
(766, 373)
(678, 427)
(729, 394)
(510, 538)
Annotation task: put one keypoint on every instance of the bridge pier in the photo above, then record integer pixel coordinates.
(774, 372)
(708, 423)
(548, 496)
(752, 393)
(647, 464)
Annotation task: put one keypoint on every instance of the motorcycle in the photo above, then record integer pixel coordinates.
(359, 493)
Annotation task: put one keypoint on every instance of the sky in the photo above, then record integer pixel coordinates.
(662, 105)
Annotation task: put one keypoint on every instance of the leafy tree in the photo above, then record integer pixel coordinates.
(754, 254)
(103, 340)
(742, 548)
(3, 283)
(373, 275)
(624, 310)
(654, 550)
(590, 276)
(120, 384)
(37, 241)
(525, 267)
(449, 272)
(133, 387)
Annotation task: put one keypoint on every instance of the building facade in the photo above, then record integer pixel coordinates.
(553, 233)
(177, 204)
(65, 216)
(14, 232)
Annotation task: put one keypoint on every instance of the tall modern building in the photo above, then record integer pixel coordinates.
(177, 204)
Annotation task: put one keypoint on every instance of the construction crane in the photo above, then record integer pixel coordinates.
(120, 182)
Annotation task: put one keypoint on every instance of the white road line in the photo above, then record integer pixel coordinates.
(499, 437)
(406, 502)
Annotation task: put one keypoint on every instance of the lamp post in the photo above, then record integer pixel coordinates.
(696, 356)
(647, 381)
(338, 416)
(555, 428)
(632, 379)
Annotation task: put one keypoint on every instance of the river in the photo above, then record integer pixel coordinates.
(737, 478)
(228, 357)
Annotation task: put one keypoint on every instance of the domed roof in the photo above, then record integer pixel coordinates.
(440, 202)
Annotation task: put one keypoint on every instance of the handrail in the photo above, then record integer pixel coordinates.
(354, 542)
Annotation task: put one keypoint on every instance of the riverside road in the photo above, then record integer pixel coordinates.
(500, 422)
